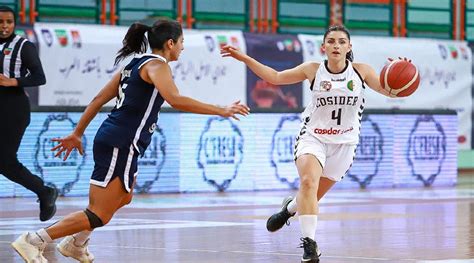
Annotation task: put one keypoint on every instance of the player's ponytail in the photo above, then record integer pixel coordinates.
(134, 41)
(349, 55)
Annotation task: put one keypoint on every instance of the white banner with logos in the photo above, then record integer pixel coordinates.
(79, 60)
(203, 74)
(444, 66)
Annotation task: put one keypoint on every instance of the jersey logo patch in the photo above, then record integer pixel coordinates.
(325, 85)
(350, 85)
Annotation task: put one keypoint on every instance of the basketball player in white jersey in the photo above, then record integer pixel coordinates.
(326, 144)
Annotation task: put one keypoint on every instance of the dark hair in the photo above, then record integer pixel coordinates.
(349, 55)
(135, 40)
(5, 8)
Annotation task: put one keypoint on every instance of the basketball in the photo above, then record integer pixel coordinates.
(400, 78)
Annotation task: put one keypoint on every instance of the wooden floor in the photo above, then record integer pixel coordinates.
(394, 225)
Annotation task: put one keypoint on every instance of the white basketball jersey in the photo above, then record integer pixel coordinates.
(335, 111)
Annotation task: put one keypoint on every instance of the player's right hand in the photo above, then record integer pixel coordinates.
(67, 144)
(235, 108)
(231, 51)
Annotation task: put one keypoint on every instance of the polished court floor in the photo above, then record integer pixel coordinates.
(392, 225)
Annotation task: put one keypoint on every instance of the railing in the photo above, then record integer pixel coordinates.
(430, 18)
(380, 21)
(307, 16)
(413, 18)
(469, 20)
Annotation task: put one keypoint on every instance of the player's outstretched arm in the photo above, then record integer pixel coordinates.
(74, 140)
(297, 74)
(160, 74)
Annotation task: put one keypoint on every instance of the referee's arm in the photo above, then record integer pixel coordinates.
(30, 59)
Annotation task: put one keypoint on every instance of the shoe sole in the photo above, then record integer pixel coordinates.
(310, 261)
(56, 194)
(60, 249)
(19, 251)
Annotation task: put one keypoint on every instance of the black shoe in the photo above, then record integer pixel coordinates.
(48, 203)
(311, 251)
(278, 220)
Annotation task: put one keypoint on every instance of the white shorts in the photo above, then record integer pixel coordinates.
(336, 159)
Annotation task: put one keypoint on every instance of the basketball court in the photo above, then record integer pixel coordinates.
(391, 225)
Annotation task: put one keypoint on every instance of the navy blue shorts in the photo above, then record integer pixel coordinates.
(111, 162)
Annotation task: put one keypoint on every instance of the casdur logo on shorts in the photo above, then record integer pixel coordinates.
(151, 162)
(220, 152)
(282, 150)
(369, 153)
(54, 171)
(426, 149)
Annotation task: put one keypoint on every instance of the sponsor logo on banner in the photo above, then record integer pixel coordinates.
(453, 51)
(464, 53)
(210, 44)
(61, 35)
(368, 155)
(54, 171)
(220, 152)
(426, 149)
(151, 162)
(314, 46)
(282, 150)
(76, 39)
(443, 51)
(47, 37)
(289, 45)
(222, 40)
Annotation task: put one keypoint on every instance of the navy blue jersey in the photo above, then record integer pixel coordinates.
(134, 117)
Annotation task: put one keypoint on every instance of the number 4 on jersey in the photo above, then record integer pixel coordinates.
(337, 116)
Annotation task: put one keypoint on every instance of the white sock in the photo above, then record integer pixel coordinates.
(39, 237)
(81, 237)
(292, 206)
(308, 224)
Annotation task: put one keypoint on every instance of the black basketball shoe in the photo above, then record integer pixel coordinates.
(311, 252)
(48, 203)
(278, 220)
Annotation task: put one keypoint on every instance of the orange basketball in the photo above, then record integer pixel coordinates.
(400, 78)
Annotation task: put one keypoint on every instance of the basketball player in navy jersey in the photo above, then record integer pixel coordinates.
(325, 146)
(141, 88)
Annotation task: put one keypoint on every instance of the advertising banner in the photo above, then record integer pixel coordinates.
(78, 61)
(199, 153)
(203, 74)
(279, 52)
(444, 67)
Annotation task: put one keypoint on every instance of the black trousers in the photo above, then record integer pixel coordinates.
(14, 118)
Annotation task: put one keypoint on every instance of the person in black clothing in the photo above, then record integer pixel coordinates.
(20, 67)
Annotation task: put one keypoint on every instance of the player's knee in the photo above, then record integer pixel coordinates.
(94, 220)
(308, 182)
